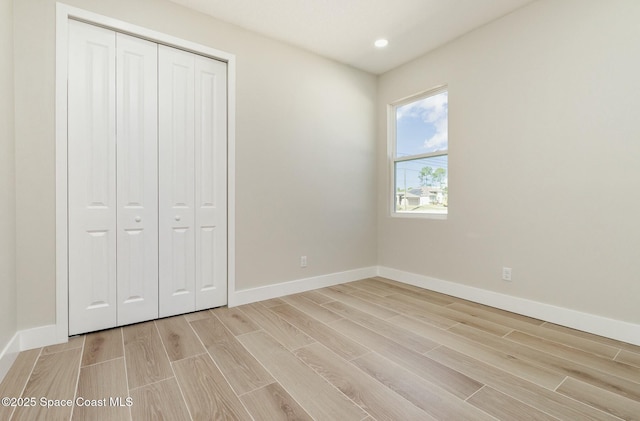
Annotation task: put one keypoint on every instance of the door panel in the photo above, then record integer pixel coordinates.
(92, 178)
(176, 181)
(137, 175)
(211, 182)
(147, 180)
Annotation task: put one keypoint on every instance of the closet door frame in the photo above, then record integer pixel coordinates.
(59, 332)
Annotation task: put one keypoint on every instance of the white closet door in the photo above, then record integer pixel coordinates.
(211, 182)
(176, 181)
(137, 179)
(92, 178)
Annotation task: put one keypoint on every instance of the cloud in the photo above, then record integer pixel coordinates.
(434, 111)
(440, 138)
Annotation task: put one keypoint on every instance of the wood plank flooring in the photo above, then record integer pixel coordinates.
(367, 350)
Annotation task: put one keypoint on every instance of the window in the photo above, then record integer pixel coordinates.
(419, 158)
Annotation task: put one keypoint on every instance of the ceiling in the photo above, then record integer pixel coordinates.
(345, 30)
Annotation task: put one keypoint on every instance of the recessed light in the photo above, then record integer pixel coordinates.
(381, 43)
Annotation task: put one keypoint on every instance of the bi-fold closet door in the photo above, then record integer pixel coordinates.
(193, 183)
(147, 180)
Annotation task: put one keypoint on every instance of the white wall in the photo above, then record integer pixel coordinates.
(8, 310)
(305, 144)
(544, 158)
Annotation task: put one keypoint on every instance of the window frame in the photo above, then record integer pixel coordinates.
(392, 152)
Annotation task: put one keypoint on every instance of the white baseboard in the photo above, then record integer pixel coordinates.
(598, 325)
(23, 340)
(9, 355)
(51, 334)
(39, 336)
(267, 292)
(603, 326)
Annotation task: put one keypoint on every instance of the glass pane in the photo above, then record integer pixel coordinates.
(422, 126)
(422, 185)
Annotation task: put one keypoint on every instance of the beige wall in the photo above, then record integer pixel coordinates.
(544, 158)
(305, 147)
(7, 179)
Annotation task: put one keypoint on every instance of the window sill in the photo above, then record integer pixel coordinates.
(416, 215)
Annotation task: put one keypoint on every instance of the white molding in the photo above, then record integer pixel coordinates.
(51, 334)
(23, 340)
(63, 14)
(598, 325)
(231, 179)
(267, 292)
(9, 355)
(62, 269)
(40, 336)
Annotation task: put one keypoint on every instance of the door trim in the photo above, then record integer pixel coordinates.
(63, 14)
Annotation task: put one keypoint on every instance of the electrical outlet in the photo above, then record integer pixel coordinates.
(303, 261)
(506, 274)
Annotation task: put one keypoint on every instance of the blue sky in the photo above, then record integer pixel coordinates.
(421, 127)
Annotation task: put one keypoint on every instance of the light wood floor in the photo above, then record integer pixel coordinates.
(371, 349)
